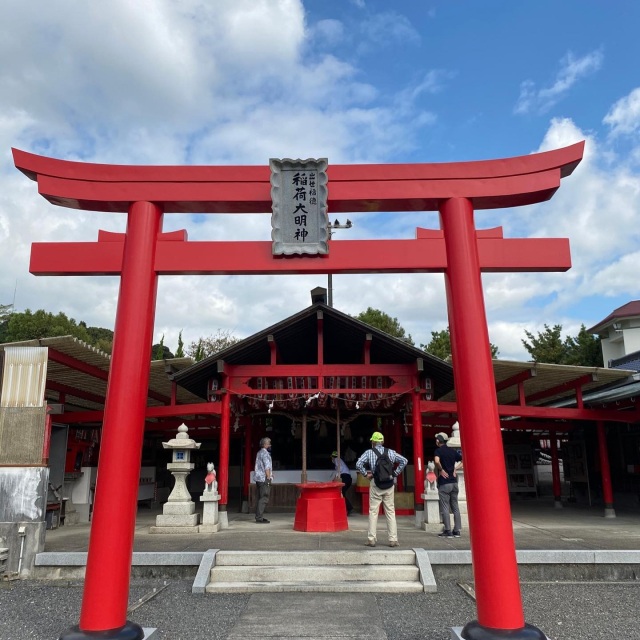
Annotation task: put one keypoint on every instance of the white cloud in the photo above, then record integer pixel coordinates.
(386, 29)
(624, 115)
(572, 70)
(228, 83)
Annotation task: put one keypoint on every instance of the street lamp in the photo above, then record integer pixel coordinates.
(332, 227)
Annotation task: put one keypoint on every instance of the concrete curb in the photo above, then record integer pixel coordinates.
(140, 558)
(204, 571)
(426, 572)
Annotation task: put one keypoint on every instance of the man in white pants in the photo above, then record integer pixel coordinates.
(393, 464)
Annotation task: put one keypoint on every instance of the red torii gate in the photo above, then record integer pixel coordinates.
(144, 252)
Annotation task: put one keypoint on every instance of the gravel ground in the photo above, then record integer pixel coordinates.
(564, 611)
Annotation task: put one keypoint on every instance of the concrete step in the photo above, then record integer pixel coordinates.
(315, 573)
(357, 586)
(366, 571)
(316, 558)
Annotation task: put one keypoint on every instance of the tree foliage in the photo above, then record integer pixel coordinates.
(30, 325)
(160, 351)
(205, 347)
(100, 338)
(384, 322)
(5, 314)
(180, 349)
(549, 346)
(440, 345)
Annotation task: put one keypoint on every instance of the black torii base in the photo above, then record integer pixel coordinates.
(475, 631)
(130, 631)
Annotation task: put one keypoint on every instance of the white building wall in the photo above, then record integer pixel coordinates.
(631, 340)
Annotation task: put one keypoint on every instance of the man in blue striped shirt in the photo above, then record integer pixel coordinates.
(262, 475)
(366, 465)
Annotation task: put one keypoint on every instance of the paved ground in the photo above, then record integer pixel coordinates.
(537, 525)
(564, 610)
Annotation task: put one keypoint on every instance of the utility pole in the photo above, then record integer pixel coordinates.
(332, 227)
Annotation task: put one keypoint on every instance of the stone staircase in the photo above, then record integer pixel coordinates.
(402, 571)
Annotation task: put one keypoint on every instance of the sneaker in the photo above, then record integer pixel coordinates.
(394, 543)
(369, 543)
(456, 534)
(445, 534)
(262, 521)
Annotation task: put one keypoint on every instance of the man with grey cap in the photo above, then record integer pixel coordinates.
(446, 460)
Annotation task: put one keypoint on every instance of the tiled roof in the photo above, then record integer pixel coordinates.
(628, 310)
(631, 362)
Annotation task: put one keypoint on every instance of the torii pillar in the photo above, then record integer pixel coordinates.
(458, 250)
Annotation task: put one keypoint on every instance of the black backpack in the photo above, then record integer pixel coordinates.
(383, 471)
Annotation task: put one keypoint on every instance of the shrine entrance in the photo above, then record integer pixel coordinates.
(144, 252)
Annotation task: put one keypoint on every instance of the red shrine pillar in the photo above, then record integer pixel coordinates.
(418, 456)
(248, 464)
(495, 569)
(555, 471)
(605, 470)
(397, 445)
(223, 484)
(106, 587)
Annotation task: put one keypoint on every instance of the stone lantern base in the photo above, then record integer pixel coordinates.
(176, 518)
(210, 516)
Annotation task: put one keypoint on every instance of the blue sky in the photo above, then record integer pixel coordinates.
(240, 81)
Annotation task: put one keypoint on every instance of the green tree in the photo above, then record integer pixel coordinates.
(584, 350)
(440, 345)
(100, 338)
(29, 325)
(5, 314)
(548, 346)
(160, 351)
(205, 347)
(180, 349)
(384, 322)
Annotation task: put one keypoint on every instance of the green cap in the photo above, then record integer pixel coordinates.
(377, 437)
(334, 454)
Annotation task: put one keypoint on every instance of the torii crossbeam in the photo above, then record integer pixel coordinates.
(458, 250)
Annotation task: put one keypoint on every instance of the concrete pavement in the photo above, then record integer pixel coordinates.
(560, 595)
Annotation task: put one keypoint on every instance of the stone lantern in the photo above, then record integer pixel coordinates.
(178, 513)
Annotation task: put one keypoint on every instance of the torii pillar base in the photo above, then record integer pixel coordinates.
(475, 631)
(130, 631)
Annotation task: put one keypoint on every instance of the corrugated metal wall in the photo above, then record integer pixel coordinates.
(24, 376)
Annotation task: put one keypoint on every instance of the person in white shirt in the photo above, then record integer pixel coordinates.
(262, 475)
(341, 471)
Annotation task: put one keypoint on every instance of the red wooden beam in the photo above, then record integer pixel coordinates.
(490, 184)
(561, 388)
(311, 370)
(429, 407)
(513, 380)
(72, 391)
(205, 408)
(96, 372)
(565, 159)
(78, 365)
(255, 257)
